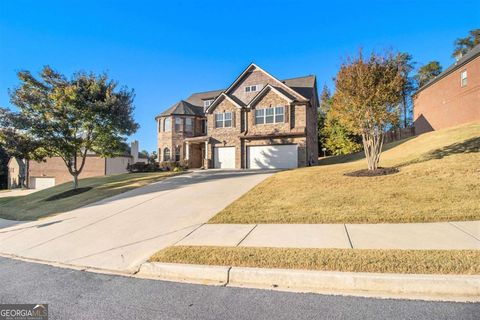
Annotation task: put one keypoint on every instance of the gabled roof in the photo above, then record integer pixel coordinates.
(466, 58)
(182, 108)
(254, 66)
(267, 88)
(238, 104)
(300, 88)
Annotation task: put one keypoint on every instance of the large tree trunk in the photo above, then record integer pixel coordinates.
(372, 145)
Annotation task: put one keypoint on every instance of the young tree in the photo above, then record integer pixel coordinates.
(427, 73)
(367, 96)
(463, 45)
(406, 67)
(71, 118)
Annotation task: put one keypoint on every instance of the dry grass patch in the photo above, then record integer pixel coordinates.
(62, 198)
(348, 260)
(438, 181)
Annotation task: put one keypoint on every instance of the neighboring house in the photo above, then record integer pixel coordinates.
(257, 122)
(452, 98)
(16, 173)
(53, 171)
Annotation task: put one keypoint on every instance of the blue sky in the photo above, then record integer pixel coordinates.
(167, 50)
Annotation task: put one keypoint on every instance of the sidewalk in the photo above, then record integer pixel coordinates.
(441, 235)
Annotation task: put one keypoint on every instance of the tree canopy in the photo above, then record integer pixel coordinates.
(368, 93)
(427, 72)
(463, 45)
(68, 118)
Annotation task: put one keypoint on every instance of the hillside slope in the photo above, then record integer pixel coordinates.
(439, 180)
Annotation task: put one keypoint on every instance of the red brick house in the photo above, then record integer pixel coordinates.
(452, 98)
(257, 122)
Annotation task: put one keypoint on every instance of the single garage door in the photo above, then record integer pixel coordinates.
(282, 156)
(41, 183)
(224, 157)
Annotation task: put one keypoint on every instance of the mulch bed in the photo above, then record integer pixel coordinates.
(372, 173)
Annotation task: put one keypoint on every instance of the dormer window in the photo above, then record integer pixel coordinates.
(253, 88)
(463, 78)
(207, 103)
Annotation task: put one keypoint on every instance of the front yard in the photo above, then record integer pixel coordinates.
(348, 260)
(438, 181)
(62, 198)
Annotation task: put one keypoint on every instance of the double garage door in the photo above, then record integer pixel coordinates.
(283, 156)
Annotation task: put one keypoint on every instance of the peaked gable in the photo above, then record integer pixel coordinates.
(254, 75)
(267, 89)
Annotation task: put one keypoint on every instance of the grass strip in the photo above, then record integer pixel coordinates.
(347, 260)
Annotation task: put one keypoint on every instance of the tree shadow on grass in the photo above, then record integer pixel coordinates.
(468, 146)
(68, 194)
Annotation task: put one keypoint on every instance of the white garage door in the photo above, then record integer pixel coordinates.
(273, 157)
(224, 158)
(41, 183)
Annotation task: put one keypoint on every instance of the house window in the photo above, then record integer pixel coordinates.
(223, 120)
(253, 88)
(270, 115)
(189, 125)
(166, 154)
(167, 125)
(178, 124)
(204, 126)
(207, 103)
(463, 78)
(177, 153)
(159, 125)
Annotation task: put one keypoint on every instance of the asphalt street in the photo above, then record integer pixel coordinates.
(73, 294)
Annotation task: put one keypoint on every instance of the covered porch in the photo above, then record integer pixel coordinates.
(195, 151)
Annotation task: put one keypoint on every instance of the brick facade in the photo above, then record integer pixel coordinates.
(299, 126)
(446, 103)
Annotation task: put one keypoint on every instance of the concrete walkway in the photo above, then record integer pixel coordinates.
(443, 235)
(121, 232)
(16, 192)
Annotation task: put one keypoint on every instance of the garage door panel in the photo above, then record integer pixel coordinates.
(224, 157)
(273, 157)
(41, 183)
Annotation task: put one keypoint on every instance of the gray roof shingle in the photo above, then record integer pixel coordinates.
(193, 105)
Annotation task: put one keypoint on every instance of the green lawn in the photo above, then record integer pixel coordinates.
(348, 260)
(438, 181)
(62, 198)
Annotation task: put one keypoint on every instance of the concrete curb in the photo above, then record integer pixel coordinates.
(214, 275)
(385, 285)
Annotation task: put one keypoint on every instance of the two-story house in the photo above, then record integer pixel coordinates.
(257, 122)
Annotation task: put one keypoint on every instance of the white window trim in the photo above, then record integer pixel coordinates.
(274, 115)
(464, 72)
(256, 86)
(223, 119)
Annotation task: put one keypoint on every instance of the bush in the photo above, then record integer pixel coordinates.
(143, 167)
(167, 165)
(178, 169)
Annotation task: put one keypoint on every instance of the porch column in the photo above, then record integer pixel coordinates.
(206, 150)
(187, 151)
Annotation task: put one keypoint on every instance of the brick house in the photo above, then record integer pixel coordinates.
(452, 98)
(257, 122)
(52, 171)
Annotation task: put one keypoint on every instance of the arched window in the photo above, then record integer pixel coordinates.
(166, 154)
(167, 124)
(177, 153)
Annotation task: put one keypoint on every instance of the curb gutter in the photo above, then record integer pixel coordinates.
(386, 285)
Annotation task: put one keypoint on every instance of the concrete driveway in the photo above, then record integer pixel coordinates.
(121, 232)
